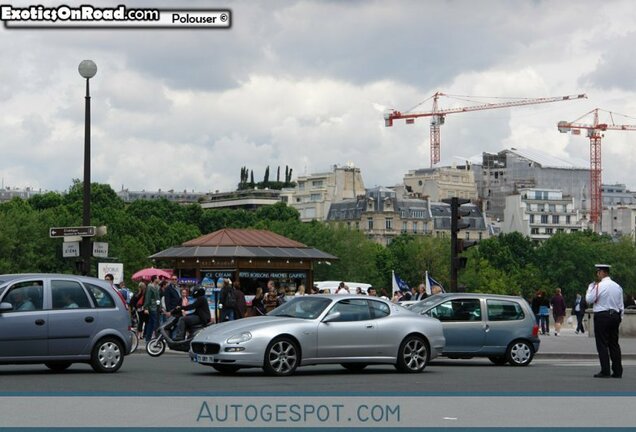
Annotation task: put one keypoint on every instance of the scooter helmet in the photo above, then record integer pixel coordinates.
(198, 292)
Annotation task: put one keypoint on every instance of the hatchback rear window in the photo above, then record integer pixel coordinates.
(504, 310)
(101, 298)
(68, 295)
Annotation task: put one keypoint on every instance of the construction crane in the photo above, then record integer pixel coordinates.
(594, 133)
(438, 116)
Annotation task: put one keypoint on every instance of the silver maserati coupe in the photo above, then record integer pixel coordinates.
(354, 331)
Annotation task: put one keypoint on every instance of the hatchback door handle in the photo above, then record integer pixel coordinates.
(89, 319)
(369, 326)
(39, 322)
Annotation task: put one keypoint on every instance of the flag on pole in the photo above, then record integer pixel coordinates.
(398, 284)
(428, 279)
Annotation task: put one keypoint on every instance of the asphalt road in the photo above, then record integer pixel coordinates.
(175, 374)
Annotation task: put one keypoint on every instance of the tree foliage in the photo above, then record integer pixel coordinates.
(506, 264)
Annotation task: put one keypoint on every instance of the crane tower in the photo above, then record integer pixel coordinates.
(594, 133)
(438, 115)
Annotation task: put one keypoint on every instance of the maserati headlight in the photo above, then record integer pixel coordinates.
(239, 338)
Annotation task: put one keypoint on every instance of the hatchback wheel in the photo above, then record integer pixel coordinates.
(58, 366)
(520, 353)
(107, 355)
(412, 355)
(281, 357)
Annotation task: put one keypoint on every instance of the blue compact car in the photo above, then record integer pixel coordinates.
(502, 328)
(59, 319)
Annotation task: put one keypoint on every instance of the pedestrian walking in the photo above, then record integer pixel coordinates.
(151, 307)
(258, 307)
(558, 310)
(535, 304)
(125, 292)
(171, 295)
(578, 310)
(541, 307)
(228, 301)
(606, 296)
(269, 300)
(241, 305)
(137, 308)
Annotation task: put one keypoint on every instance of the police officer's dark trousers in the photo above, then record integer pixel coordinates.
(606, 325)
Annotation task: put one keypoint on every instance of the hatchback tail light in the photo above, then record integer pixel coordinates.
(535, 330)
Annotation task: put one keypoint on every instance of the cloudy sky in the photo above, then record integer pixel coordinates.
(305, 83)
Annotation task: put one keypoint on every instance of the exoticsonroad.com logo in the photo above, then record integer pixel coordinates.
(87, 16)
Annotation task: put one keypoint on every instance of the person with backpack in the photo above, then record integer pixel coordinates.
(125, 292)
(228, 301)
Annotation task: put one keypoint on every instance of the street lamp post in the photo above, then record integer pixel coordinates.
(87, 69)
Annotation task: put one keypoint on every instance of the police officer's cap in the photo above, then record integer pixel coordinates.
(603, 267)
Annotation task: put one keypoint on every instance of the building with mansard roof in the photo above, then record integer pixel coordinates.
(382, 214)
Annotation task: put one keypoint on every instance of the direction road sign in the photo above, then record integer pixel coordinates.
(83, 231)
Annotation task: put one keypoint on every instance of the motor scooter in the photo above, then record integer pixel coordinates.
(157, 346)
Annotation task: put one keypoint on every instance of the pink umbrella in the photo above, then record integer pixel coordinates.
(147, 273)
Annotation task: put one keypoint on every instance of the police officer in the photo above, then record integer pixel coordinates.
(606, 297)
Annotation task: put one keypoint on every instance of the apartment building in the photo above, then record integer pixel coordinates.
(618, 221)
(8, 193)
(315, 193)
(541, 213)
(184, 197)
(382, 214)
(438, 183)
(617, 195)
(507, 172)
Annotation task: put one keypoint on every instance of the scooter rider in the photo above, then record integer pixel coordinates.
(201, 314)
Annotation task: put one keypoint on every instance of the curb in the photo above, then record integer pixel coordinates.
(578, 355)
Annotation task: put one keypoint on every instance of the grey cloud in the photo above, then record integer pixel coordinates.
(615, 69)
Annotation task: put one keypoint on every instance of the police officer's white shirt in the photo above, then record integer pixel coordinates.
(609, 295)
